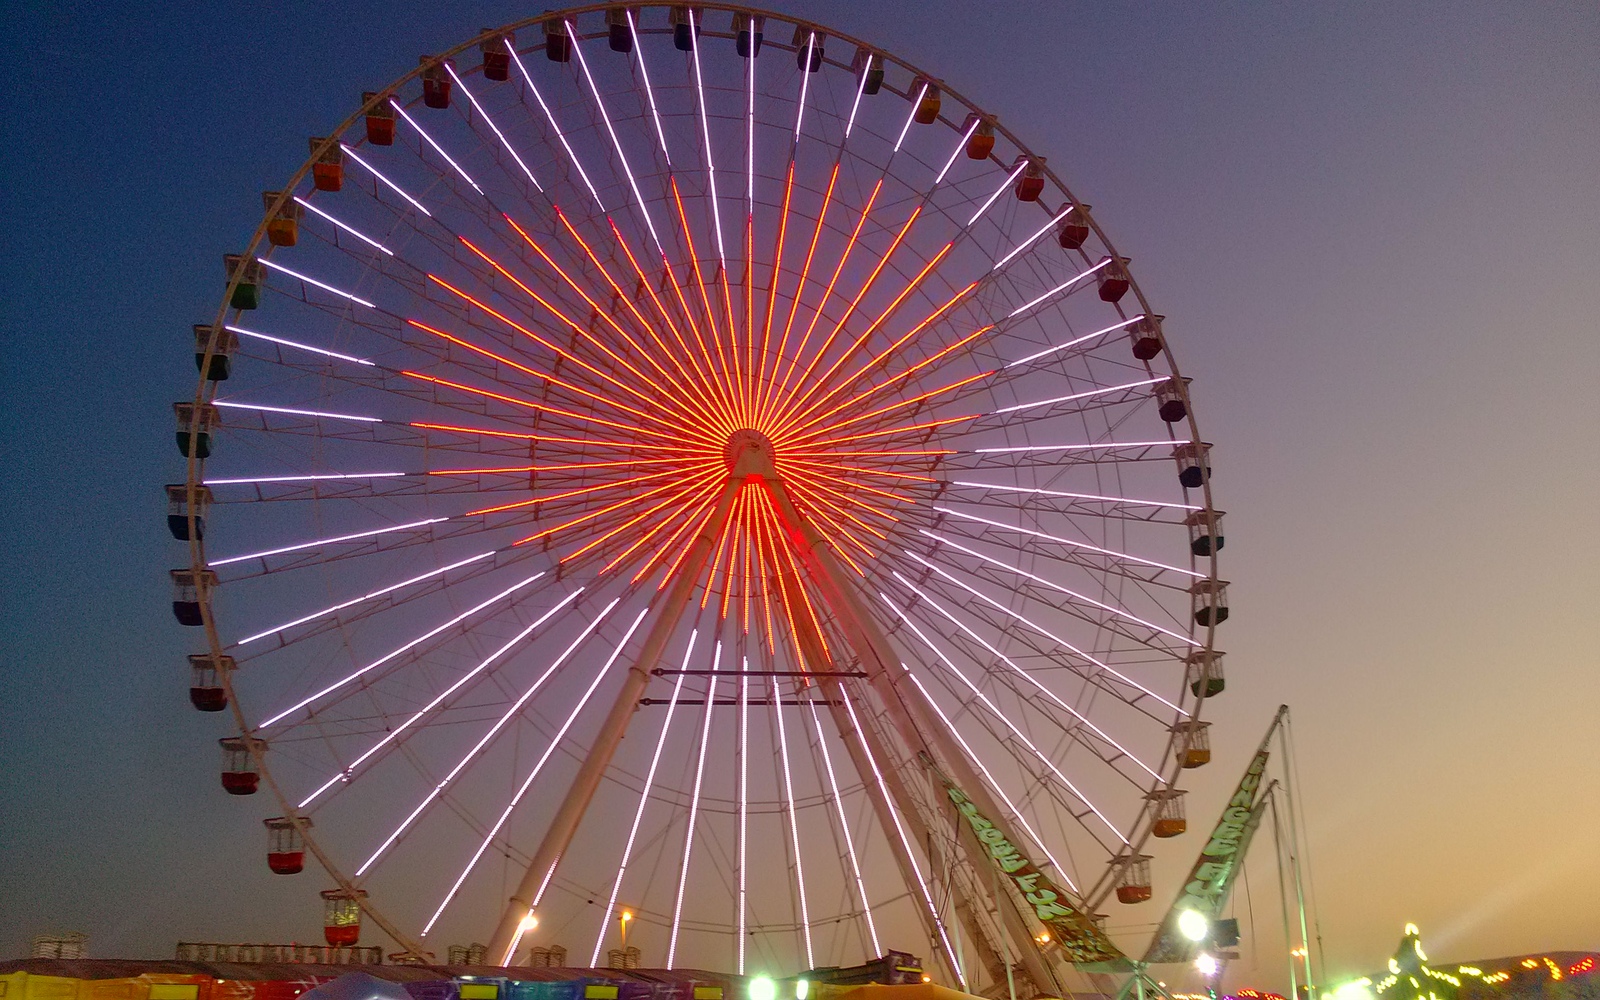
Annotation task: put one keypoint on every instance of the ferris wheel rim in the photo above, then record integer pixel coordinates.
(206, 392)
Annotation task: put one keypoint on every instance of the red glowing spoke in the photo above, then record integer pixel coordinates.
(799, 291)
(707, 374)
(891, 407)
(586, 442)
(489, 470)
(787, 531)
(656, 393)
(540, 407)
(716, 560)
(817, 483)
(730, 370)
(855, 470)
(883, 356)
(602, 313)
(872, 279)
(904, 428)
(694, 505)
(670, 501)
(886, 383)
(682, 553)
(551, 379)
(586, 518)
(777, 267)
(817, 497)
(581, 491)
(546, 343)
(827, 293)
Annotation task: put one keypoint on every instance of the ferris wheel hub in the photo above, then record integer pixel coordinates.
(749, 452)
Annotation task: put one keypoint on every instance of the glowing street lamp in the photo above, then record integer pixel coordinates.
(1193, 925)
(626, 916)
(763, 988)
(1206, 964)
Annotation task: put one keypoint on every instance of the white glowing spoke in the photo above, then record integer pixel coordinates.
(1107, 446)
(794, 824)
(1083, 395)
(861, 86)
(358, 234)
(910, 117)
(1043, 689)
(994, 710)
(644, 796)
(1007, 488)
(905, 841)
(241, 331)
(436, 147)
(495, 128)
(744, 796)
(955, 153)
(644, 74)
(374, 171)
(844, 825)
(705, 128)
(1025, 244)
(1035, 626)
(349, 771)
(1011, 807)
(466, 760)
(358, 300)
(996, 197)
(616, 143)
(364, 597)
(1068, 542)
(238, 481)
(750, 142)
(296, 413)
(1059, 288)
(528, 783)
(326, 541)
(1113, 609)
(1113, 328)
(694, 805)
(805, 84)
(398, 651)
(573, 33)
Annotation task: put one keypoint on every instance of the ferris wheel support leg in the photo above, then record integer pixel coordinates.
(883, 667)
(558, 836)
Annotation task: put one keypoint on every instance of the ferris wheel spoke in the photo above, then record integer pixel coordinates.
(702, 410)
(432, 574)
(1073, 731)
(343, 226)
(533, 773)
(951, 389)
(320, 543)
(344, 682)
(380, 176)
(348, 772)
(977, 761)
(1104, 397)
(694, 807)
(551, 118)
(401, 109)
(1015, 730)
(1119, 615)
(844, 829)
(644, 799)
(1058, 645)
(1065, 502)
(467, 760)
(487, 120)
(1074, 548)
(794, 825)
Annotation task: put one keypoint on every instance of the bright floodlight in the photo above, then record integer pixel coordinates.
(763, 988)
(1193, 925)
(1206, 964)
(802, 989)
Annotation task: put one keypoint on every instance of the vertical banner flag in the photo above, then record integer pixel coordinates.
(1080, 939)
(1211, 879)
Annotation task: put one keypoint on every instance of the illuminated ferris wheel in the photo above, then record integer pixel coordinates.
(645, 458)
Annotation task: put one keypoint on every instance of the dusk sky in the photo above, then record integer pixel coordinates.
(1374, 230)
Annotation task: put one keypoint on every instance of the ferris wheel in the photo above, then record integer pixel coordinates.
(644, 458)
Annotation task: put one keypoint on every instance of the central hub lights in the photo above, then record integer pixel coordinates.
(749, 448)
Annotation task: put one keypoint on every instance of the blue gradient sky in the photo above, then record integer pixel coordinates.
(1374, 229)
